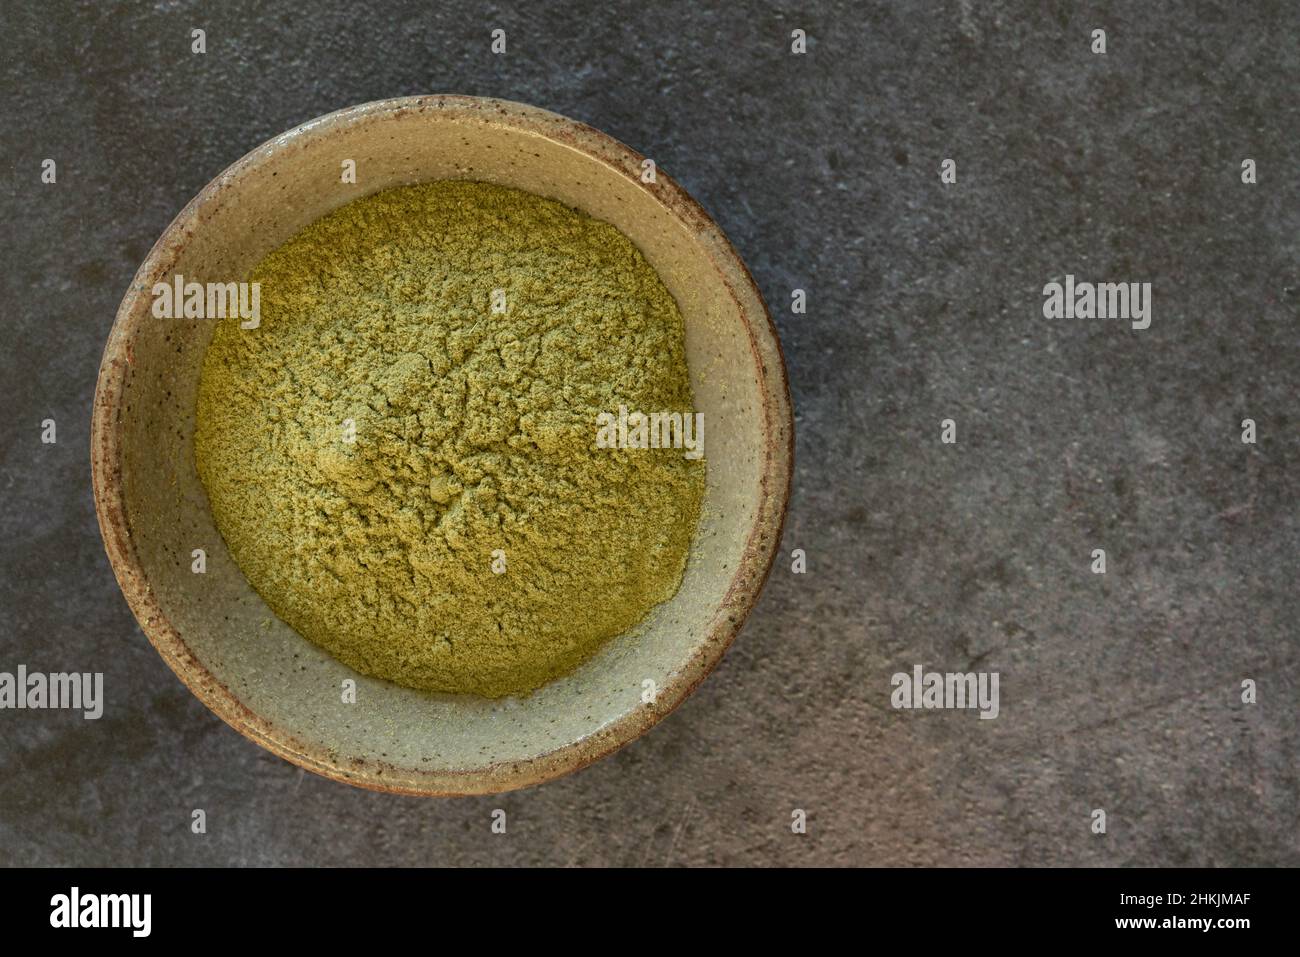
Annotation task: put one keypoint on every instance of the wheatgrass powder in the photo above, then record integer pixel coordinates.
(409, 477)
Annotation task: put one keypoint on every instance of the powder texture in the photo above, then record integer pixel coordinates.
(474, 437)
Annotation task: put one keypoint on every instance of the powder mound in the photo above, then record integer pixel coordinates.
(386, 435)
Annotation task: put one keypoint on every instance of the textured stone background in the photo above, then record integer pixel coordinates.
(1119, 692)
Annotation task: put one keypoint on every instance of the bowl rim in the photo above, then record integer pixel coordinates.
(758, 556)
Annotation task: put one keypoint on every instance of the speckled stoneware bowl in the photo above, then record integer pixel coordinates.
(279, 689)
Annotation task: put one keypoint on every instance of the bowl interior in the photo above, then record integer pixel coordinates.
(279, 688)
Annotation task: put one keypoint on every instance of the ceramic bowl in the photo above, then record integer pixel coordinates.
(258, 674)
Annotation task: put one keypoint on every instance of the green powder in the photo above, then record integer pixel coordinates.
(474, 437)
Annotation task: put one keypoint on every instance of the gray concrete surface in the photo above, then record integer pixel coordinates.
(1119, 691)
